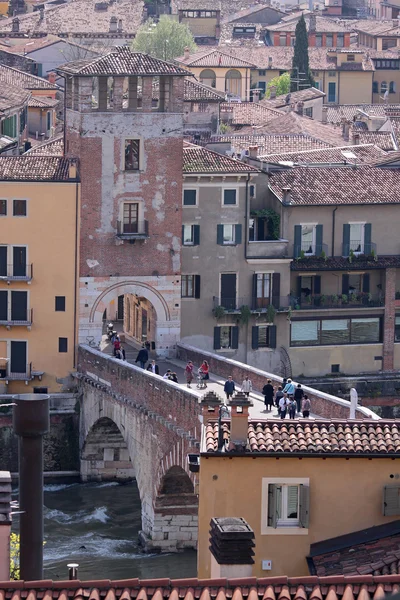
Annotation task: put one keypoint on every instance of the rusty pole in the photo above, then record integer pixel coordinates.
(31, 421)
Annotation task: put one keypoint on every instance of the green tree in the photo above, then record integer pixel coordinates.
(14, 556)
(300, 64)
(281, 83)
(166, 39)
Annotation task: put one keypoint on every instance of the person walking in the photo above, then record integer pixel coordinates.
(117, 345)
(292, 408)
(298, 396)
(142, 357)
(289, 388)
(153, 367)
(268, 391)
(278, 396)
(306, 406)
(283, 405)
(189, 373)
(229, 387)
(247, 386)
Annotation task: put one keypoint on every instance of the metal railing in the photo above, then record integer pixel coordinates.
(351, 300)
(310, 250)
(7, 373)
(359, 249)
(26, 320)
(135, 230)
(17, 272)
(233, 305)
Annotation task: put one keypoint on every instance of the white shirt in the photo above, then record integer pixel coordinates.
(247, 385)
(283, 402)
(153, 368)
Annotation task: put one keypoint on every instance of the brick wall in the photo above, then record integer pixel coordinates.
(323, 405)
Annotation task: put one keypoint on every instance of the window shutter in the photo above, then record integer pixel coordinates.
(217, 338)
(254, 338)
(317, 284)
(345, 284)
(298, 288)
(346, 239)
(3, 305)
(220, 235)
(304, 505)
(183, 234)
(238, 234)
(235, 338)
(391, 500)
(367, 238)
(197, 286)
(272, 336)
(254, 291)
(297, 241)
(365, 283)
(318, 240)
(276, 289)
(196, 235)
(272, 508)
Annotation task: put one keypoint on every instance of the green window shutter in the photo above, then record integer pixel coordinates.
(254, 291)
(367, 238)
(345, 284)
(220, 235)
(391, 500)
(346, 239)
(272, 336)
(197, 286)
(317, 284)
(297, 241)
(217, 338)
(304, 505)
(254, 338)
(276, 289)
(272, 506)
(318, 240)
(196, 235)
(365, 283)
(235, 338)
(238, 234)
(298, 288)
(183, 234)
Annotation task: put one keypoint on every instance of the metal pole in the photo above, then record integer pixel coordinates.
(31, 422)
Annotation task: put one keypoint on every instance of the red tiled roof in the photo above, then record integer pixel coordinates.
(215, 58)
(323, 25)
(12, 96)
(364, 154)
(249, 113)
(347, 438)
(382, 139)
(34, 168)
(271, 143)
(42, 102)
(302, 95)
(24, 80)
(195, 91)
(197, 159)
(52, 147)
(338, 185)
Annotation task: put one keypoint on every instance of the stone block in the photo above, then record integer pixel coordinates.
(179, 535)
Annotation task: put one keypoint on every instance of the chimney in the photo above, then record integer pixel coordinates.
(312, 24)
(186, 53)
(52, 77)
(324, 114)
(113, 25)
(269, 62)
(286, 196)
(300, 108)
(253, 152)
(256, 95)
(356, 139)
(231, 547)
(272, 92)
(210, 404)
(395, 22)
(41, 14)
(346, 130)
(120, 25)
(5, 524)
(15, 25)
(239, 404)
(72, 171)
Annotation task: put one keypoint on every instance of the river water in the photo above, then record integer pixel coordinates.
(96, 525)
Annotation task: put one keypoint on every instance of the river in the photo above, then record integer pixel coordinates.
(96, 525)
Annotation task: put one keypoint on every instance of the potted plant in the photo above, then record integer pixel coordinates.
(345, 299)
(245, 314)
(219, 312)
(271, 312)
(335, 299)
(351, 256)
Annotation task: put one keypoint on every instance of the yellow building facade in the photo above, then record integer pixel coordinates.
(39, 225)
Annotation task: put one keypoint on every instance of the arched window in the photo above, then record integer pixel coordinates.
(384, 87)
(392, 87)
(375, 87)
(208, 77)
(233, 83)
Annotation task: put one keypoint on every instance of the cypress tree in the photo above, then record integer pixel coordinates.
(300, 64)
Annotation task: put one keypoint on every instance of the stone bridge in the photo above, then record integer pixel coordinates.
(133, 424)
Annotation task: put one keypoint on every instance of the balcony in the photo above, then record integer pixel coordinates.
(343, 301)
(267, 249)
(256, 305)
(359, 250)
(24, 320)
(16, 273)
(6, 374)
(138, 230)
(310, 251)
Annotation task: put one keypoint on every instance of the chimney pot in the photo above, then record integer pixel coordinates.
(72, 172)
(113, 25)
(210, 404)
(52, 77)
(300, 108)
(186, 53)
(15, 25)
(272, 92)
(72, 571)
(239, 405)
(253, 152)
(286, 195)
(395, 22)
(270, 61)
(356, 139)
(120, 25)
(231, 547)
(324, 114)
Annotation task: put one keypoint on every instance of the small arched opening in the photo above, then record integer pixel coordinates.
(208, 77)
(233, 83)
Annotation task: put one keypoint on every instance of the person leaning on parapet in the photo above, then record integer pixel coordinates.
(229, 387)
(153, 367)
(142, 357)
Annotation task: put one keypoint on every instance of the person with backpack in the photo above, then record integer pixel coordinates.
(306, 406)
(298, 396)
(268, 391)
(292, 408)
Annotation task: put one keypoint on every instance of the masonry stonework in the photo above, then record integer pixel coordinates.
(389, 321)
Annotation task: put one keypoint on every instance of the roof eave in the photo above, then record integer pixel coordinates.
(347, 455)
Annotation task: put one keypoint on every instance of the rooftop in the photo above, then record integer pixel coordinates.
(300, 96)
(271, 143)
(25, 80)
(323, 25)
(246, 14)
(305, 438)
(373, 26)
(382, 139)
(194, 91)
(336, 113)
(249, 113)
(52, 147)
(42, 102)
(34, 168)
(363, 154)
(122, 61)
(337, 185)
(197, 159)
(12, 96)
(214, 58)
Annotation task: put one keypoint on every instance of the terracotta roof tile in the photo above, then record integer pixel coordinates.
(323, 25)
(382, 139)
(52, 147)
(194, 91)
(34, 168)
(248, 113)
(201, 160)
(302, 95)
(364, 154)
(214, 58)
(24, 80)
(271, 143)
(12, 96)
(42, 102)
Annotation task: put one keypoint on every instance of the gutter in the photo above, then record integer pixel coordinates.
(299, 455)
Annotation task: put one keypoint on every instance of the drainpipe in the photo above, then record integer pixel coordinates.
(246, 235)
(76, 264)
(333, 229)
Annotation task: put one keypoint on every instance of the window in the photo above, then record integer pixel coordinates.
(308, 239)
(263, 336)
(329, 40)
(263, 290)
(208, 77)
(308, 112)
(318, 40)
(397, 329)
(322, 332)
(331, 73)
(252, 190)
(357, 237)
(351, 58)
(3, 208)
(130, 221)
(332, 91)
(60, 303)
(392, 87)
(384, 87)
(229, 235)
(190, 235)
(287, 504)
(226, 337)
(340, 40)
(282, 39)
(19, 208)
(190, 286)
(261, 73)
(132, 155)
(229, 197)
(63, 344)
(355, 284)
(9, 126)
(375, 88)
(189, 197)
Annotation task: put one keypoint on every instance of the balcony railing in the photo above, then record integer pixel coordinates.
(309, 250)
(16, 273)
(8, 374)
(234, 305)
(351, 300)
(359, 249)
(138, 230)
(24, 320)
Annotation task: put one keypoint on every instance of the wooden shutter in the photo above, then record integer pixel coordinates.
(183, 234)
(272, 508)
(345, 284)
(196, 235)
(238, 234)
(391, 500)
(235, 338)
(318, 240)
(3, 305)
(272, 336)
(217, 338)
(197, 286)
(297, 241)
(298, 288)
(304, 505)
(365, 283)
(367, 238)
(220, 235)
(19, 304)
(254, 338)
(317, 284)
(276, 289)
(346, 239)
(3, 261)
(254, 291)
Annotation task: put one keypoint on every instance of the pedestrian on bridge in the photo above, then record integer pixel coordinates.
(142, 357)
(153, 367)
(189, 373)
(268, 391)
(247, 386)
(306, 406)
(229, 387)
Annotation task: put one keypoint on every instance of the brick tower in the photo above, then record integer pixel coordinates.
(124, 122)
